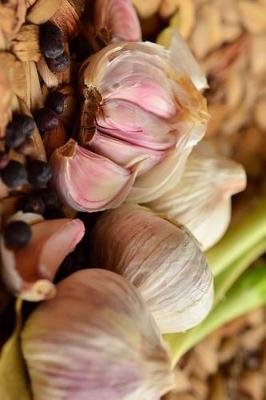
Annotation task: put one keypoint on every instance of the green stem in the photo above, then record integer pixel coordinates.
(239, 239)
(225, 280)
(248, 293)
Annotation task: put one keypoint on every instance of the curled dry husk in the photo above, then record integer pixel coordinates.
(95, 340)
(29, 272)
(12, 16)
(201, 200)
(86, 181)
(159, 257)
(6, 97)
(116, 20)
(141, 107)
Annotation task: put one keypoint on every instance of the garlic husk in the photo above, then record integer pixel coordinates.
(86, 181)
(95, 340)
(161, 259)
(201, 200)
(29, 272)
(159, 111)
(118, 19)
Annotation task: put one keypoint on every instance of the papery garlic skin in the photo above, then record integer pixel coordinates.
(149, 111)
(29, 272)
(201, 200)
(161, 259)
(87, 181)
(95, 340)
(117, 20)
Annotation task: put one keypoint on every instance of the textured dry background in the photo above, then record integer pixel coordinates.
(228, 37)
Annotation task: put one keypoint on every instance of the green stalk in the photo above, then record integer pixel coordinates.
(239, 239)
(248, 293)
(225, 280)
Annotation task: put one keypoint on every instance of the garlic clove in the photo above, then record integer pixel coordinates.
(201, 200)
(161, 259)
(118, 19)
(28, 272)
(125, 154)
(95, 340)
(86, 181)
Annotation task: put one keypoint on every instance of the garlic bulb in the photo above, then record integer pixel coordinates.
(95, 340)
(159, 257)
(116, 20)
(141, 110)
(29, 272)
(86, 181)
(201, 200)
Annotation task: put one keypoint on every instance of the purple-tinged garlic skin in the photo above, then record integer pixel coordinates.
(95, 340)
(116, 20)
(201, 200)
(29, 272)
(86, 181)
(161, 258)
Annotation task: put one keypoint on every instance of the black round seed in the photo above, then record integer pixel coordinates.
(14, 174)
(51, 43)
(33, 204)
(17, 234)
(46, 119)
(56, 101)
(4, 160)
(18, 130)
(39, 173)
(60, 63)
(51, 201)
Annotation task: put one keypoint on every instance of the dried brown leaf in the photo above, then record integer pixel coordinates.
(25, 45)
(67, 18)
(5, 103)
(16, 73)
(12, 16)
(43, 10)
(49, 78)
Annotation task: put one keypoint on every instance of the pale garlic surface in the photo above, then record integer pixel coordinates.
(159, 257)
(95, 340)
(201, 200)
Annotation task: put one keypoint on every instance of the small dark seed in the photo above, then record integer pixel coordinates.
(33, 204)
(51, 201)
(46, 119)
(4, 160)
(51, 43)
(56, 101)
(39, 173)
(14, 174)
(17, 234)
(60, 63)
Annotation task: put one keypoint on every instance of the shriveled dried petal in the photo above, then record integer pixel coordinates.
(159, 257)
(105, 345)
(43, 10)
(29, 272)
(86, 181)
(26, 43)
(5, 96)
(201, 200)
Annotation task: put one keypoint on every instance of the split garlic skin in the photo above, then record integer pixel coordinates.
(95, 340)
(201, 200)
(161, 258)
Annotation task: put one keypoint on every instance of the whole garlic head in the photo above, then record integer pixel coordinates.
(201, 200)
(159, 257)
(95, 340)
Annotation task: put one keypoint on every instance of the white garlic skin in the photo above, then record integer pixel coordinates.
(159, 257)
(95, 340)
